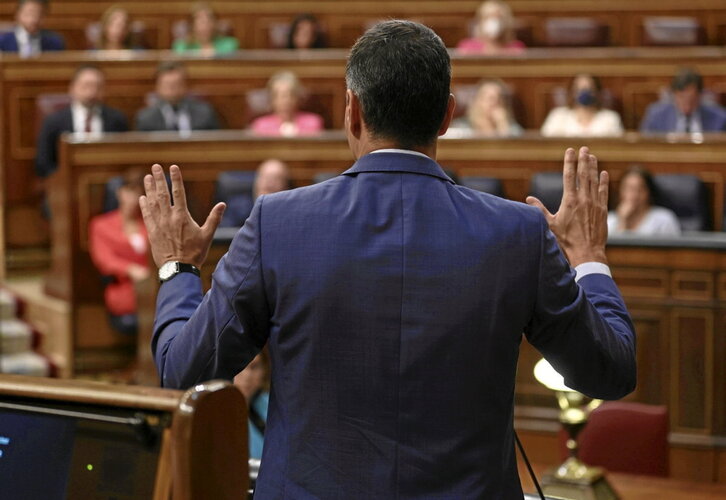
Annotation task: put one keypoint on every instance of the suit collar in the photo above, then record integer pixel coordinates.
(398, 162)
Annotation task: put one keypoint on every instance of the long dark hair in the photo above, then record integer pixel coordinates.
(318, 43)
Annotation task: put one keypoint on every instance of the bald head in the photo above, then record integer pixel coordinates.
(272, 176)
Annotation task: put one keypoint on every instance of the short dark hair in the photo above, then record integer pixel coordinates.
(85, 67)
(400, 72)
(685, 78)
(167, 67)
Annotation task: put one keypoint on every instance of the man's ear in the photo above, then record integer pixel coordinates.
(353, 119)
(448, 116)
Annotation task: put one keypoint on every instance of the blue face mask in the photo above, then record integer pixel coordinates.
(586, 97)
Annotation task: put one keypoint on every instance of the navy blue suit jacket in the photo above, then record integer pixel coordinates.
(662, 117)
(55, 124)
(393, 303)
(49, 41)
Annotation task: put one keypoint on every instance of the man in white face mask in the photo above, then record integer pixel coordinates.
(494, 33)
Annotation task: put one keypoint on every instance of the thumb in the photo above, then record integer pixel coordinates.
(532, 201)
(214, 218)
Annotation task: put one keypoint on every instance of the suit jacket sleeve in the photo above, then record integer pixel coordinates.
(117, 121)
(46, 146)
(583, 329)
(648, 125)
(200, 338)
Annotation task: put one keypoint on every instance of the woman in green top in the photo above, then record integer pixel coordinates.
(204, 38)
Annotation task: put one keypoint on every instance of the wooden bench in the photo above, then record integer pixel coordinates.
(633, 76)
(252, 22)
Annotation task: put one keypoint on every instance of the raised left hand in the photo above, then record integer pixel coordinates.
(173, 233)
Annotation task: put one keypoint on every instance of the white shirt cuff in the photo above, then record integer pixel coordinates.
(591, 268)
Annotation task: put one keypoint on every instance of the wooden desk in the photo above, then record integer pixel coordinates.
(676, 292)
(177, 445)
(632, 487)
(634, 76)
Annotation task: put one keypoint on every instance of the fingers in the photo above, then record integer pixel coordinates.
(602, 189)
(162, 190)
(213, 219)
(569, 182)
(177, 188)
(146, 213)
(583, 173)
(531, 200)
(594, 182)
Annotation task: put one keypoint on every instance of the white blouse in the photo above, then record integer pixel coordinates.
(659, 221)
(563, 122)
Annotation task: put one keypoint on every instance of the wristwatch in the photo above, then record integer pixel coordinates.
(173, 267)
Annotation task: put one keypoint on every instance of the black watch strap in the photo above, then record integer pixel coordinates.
(171, 269)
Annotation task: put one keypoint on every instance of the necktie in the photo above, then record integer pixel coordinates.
(688, 124)
(89, 117)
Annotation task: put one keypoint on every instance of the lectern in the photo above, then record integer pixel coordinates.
(63, 439)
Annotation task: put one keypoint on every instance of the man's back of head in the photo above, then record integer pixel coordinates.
(400, 72)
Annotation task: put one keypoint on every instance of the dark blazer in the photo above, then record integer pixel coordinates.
(661, 117)
(203, 116)
(393, 303)
(55, 124)
(49, 41)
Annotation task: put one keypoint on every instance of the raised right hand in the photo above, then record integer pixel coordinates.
(580, 224)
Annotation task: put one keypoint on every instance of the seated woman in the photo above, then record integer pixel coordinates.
(585, 116)
(116, 33)
(490, 113)
(286, 119)
(494, 31)
(254, 383)
(204, 38)
(636, 212)
(119, 249)
(306, 33)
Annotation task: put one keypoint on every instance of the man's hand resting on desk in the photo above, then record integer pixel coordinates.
(173, 234)
(580, 224)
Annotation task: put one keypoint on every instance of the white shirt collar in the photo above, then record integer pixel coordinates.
(404, 151)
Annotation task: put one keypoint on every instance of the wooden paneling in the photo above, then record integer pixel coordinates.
(251, 22)
(634, 77)
(672, 292)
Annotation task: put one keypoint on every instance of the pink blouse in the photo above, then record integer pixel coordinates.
(303, 124)
(477, 46)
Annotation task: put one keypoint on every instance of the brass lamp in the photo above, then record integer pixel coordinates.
(573, 479)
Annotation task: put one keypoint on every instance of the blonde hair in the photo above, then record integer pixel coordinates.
(285, 76)
(106, 18)
(504, 95)
(507, 18)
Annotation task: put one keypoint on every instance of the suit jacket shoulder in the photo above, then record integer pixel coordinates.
(149, 119)
(51, 41)
(47, 143)
(202, 114)
(114, 120)
(8, 43)
(713, 118)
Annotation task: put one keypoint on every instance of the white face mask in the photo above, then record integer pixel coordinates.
(492, 27)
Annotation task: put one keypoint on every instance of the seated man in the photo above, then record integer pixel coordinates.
(119, 249)
(28, 39)
(272, 176)
(686, 112)
(174, 108)
(85, 114)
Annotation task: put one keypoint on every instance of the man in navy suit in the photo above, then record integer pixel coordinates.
(685, 112)
(85, 114)
(393, 301)
(28, 39)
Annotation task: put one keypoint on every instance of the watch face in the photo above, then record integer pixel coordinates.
(168, 270)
